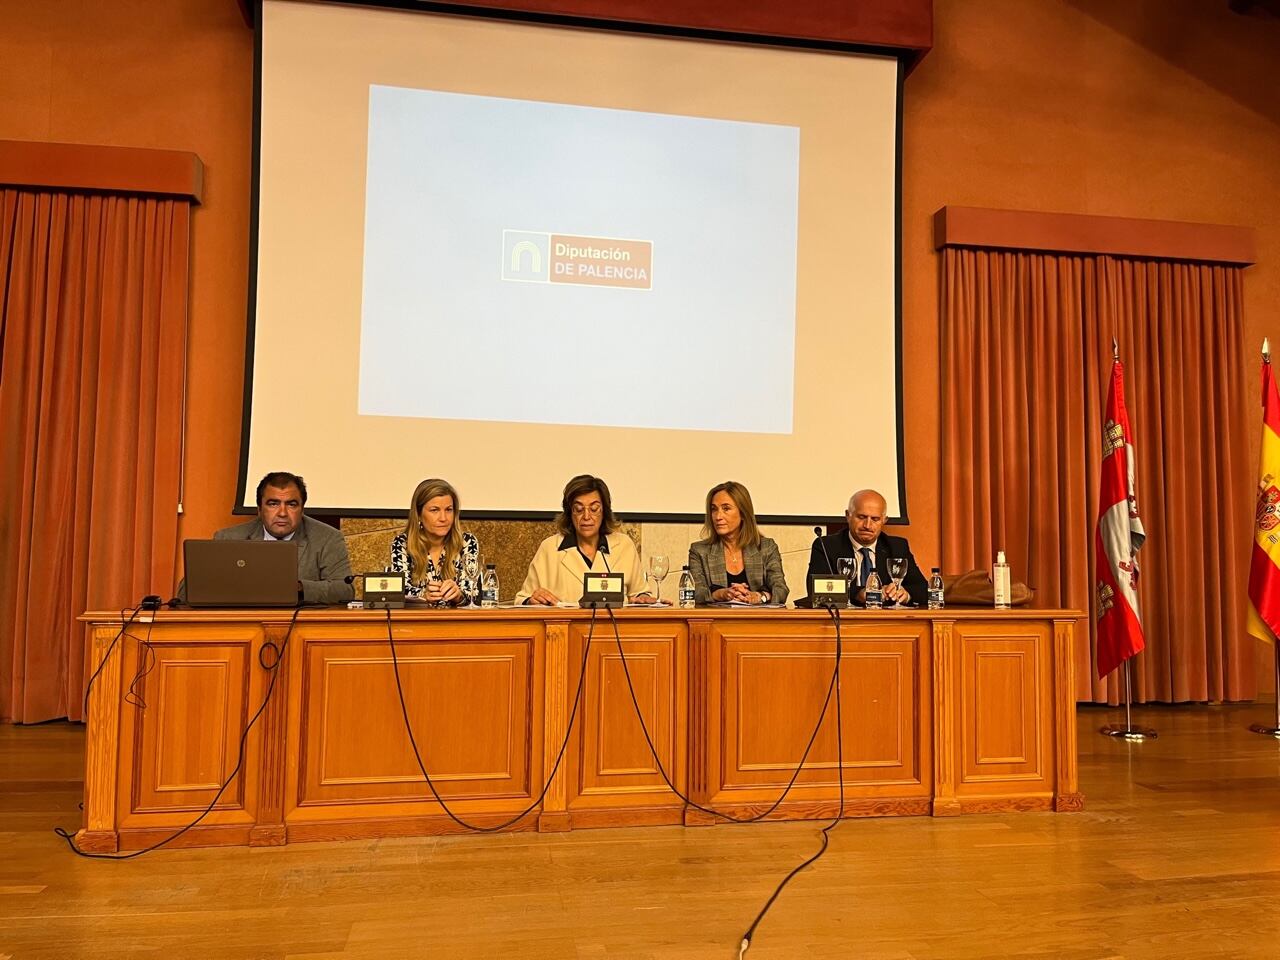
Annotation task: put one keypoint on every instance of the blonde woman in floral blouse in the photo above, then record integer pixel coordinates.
(439, 560)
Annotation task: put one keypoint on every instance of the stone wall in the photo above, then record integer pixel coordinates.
(510, 544)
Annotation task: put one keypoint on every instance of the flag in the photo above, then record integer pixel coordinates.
(1118, 537)
(1264, 566)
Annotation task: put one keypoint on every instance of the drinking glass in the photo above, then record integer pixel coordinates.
(897, 570)
(844, 568)
(659, 567)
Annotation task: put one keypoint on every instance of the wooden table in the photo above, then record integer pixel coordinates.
(944, 712)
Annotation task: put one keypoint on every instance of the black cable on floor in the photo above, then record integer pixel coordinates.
(413, 742)
(274, 668)
(826, 831)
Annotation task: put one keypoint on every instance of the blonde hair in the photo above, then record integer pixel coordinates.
(416, 536)
(748, 533)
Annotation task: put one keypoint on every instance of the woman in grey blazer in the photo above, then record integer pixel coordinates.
(732, 562)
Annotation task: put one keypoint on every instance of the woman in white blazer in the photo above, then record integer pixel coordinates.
(586, 542)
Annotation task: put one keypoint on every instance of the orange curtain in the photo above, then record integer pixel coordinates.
(1026, 340)
(93, 306)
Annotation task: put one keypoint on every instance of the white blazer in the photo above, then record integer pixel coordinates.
(558, 566)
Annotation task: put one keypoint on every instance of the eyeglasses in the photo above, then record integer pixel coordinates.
(594, 509)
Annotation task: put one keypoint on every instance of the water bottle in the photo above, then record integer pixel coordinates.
(874, 593)
(936, 601)
(686, 588)
(489, 586)
(1000, 581)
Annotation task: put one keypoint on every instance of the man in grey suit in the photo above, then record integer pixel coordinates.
(323, 563)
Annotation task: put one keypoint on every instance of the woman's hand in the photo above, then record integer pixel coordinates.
(442, 591)
(543, 598)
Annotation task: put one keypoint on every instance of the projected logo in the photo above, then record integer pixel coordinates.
(560, 258)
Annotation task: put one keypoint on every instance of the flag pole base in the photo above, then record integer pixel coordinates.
(1131, 734)
(1266, 731)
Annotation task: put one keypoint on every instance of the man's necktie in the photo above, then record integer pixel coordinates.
(868, 564)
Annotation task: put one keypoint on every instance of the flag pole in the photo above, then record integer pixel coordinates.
(1134, 533)
(1274, 729)
(1128, 731)
(1262, 728)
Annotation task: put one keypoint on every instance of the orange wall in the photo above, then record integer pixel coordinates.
(1153, 108)
(175, 75)
(1164, 109)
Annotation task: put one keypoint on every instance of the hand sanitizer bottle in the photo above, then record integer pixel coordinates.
(1000, 581)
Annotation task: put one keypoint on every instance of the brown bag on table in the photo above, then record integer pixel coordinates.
(975, 589)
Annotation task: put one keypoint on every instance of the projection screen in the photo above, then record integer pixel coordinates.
(507, 253)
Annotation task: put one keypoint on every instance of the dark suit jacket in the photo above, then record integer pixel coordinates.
(840, 545)
(762, 565)
(323, 563)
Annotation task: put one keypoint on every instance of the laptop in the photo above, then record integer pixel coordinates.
(241, 573)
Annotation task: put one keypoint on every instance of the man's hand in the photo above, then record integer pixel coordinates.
(896, 592)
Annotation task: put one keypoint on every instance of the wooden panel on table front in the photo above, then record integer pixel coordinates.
(775, 679)
(1006, 744)
(468, 702)
(187, 735)
(491, 712)
(613, 765)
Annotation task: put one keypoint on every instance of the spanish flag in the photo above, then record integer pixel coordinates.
(1264, 567)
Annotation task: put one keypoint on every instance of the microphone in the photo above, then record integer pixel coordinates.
(817, 532)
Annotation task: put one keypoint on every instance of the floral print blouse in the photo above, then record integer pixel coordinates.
(466, 569)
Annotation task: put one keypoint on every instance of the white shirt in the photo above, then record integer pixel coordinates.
(858, 556)
(266, 535)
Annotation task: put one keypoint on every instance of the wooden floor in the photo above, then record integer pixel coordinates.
(1177, 855)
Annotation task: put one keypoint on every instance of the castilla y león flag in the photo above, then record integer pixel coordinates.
(1118, 537)
(1264, 566)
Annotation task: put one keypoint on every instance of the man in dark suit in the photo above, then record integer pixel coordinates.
(866, 545)
(323, 562)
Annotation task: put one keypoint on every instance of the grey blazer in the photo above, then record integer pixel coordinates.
(762, 565)
(323, 562)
